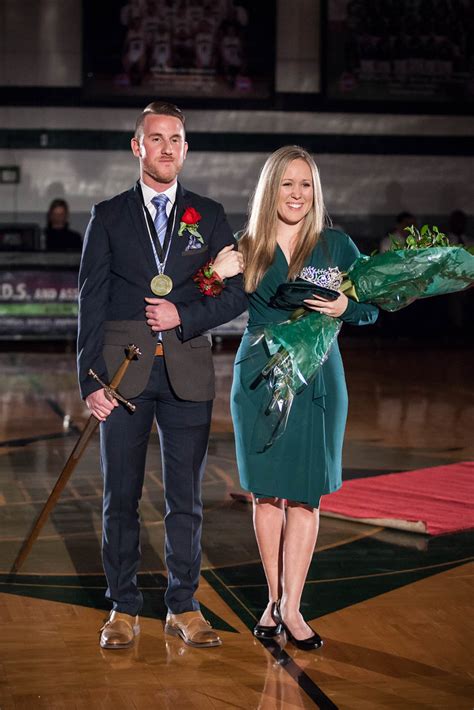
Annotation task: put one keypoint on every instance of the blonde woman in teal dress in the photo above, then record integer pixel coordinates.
(286, 232)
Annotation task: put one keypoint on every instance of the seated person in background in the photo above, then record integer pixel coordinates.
(404, 219)
(457, 229)
(57, 234)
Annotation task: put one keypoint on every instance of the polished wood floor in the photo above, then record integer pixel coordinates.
(393, 607)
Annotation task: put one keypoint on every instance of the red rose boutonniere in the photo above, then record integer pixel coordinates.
(189, 223)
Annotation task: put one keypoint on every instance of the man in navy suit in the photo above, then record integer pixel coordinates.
(151, 241)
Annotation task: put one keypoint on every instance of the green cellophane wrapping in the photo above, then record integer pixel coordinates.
(316, 332)
(298, 348)
(395, 279)
(392, 280)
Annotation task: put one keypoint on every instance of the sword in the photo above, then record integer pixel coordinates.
(91, 425)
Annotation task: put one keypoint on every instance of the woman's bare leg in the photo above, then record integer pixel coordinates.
(301, 532)
(269, 526)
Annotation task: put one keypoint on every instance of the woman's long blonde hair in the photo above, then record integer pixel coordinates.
(259, 239)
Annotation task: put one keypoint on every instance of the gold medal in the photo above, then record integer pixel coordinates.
(161, 285)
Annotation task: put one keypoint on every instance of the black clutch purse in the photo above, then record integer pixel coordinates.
(290, 296)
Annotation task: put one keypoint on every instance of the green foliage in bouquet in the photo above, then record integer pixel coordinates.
(395, 279)
(421, 238)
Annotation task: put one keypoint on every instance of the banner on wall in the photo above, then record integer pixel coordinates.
(37, 303)
(405, 50)
(179, 48)
(43, 304)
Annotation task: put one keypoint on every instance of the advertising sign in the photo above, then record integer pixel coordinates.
(38, 303)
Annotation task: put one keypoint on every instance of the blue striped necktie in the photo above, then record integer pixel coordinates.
(161, 218)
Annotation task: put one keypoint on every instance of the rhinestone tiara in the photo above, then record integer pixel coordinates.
(327, 278)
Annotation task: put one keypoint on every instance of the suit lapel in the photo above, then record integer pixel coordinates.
(177, 243)
(141, 230)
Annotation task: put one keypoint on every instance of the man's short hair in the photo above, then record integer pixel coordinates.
(158, 108)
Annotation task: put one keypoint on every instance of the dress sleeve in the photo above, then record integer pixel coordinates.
(355, 313)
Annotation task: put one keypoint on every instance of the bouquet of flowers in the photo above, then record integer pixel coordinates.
(426, 266)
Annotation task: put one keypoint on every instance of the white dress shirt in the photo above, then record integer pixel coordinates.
(149, 193)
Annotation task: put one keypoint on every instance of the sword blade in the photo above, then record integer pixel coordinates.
(59, 486)
(71, 463)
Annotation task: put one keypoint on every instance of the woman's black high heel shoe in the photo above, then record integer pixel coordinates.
(267, 632)
(312, 642)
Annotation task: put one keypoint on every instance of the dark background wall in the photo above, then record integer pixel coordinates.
(376, 158)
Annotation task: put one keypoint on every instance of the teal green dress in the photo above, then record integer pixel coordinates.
(306, 461)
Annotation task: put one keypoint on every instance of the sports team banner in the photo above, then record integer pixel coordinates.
(179, 48)
(399, 49)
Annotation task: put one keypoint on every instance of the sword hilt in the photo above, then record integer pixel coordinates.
(112, 393)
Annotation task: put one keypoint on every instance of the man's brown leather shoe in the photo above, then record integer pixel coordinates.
(193, 628)
(119, 630)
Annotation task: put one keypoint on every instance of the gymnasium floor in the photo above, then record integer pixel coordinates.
(392, 607)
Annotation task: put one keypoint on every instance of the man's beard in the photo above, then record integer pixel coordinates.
(158, 176)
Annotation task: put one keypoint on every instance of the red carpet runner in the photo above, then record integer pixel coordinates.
(430, 500)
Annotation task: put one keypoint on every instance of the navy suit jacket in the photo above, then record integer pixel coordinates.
(117, 267)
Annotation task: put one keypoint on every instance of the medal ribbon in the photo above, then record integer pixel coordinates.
(159, 252)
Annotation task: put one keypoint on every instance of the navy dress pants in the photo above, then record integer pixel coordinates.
(183, 429)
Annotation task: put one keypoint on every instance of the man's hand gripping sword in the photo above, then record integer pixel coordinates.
(112, 393)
